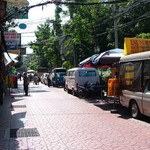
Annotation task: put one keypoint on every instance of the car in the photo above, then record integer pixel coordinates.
(57, 77)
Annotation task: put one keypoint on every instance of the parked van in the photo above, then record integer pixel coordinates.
(57, 76)
(135, 83)
(79, 76)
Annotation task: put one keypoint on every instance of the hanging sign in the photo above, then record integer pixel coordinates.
(22, 26)
(12, 39)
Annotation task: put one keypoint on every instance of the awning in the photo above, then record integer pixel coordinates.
(9, 57)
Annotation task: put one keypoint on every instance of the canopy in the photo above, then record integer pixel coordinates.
(88, 60)
(9, 57)
(109, 57)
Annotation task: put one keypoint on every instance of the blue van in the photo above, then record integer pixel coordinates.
(57, 77)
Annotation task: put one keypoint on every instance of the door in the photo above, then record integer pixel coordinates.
(146, 85)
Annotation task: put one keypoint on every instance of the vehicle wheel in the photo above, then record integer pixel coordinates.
(64, 88)
(73, 92)
(81, 93)
(134, 110)
(68, 91)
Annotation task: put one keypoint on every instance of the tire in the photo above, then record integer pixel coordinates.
(73, 92)
(81, 93)
(134, 110)
(68, 91)
(64, 88)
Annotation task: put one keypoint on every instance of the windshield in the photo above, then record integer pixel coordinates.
(87, 73)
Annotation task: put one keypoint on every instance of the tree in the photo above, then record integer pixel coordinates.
(89, 27)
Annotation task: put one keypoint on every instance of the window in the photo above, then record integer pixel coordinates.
(71, 73)
(130, 75)
(87, 73)
(146, 74)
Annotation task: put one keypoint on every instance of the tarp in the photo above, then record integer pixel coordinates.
(109, 57)
(9, 57)
(88, 60)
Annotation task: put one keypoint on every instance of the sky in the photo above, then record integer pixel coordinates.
(36, 16)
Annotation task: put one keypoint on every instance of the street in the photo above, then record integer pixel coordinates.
(51, 119)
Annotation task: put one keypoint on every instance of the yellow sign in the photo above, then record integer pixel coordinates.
(14, 51)
(136, 45)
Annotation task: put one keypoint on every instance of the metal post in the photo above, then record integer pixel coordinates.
(75, 55)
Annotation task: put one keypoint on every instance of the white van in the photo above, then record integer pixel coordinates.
(135, 83)
(80, 76)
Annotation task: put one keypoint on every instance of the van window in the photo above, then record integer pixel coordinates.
(146, 74)
(71, 73)
(146, 67)
(87, 73)
(130, 76)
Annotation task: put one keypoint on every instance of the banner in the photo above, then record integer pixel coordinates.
(136, 45)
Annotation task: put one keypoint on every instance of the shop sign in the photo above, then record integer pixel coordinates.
(13, 40)
(12, 45)
(136, 45)
(11, 35)
(22, 26)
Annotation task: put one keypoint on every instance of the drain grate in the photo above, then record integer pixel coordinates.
(28, 132)
(18, 106)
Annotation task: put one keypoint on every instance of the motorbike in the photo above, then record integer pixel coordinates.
(88, 87)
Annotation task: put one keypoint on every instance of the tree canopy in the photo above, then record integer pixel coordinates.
(89, 30)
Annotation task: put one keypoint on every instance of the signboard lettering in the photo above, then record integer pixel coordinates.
(136, 45)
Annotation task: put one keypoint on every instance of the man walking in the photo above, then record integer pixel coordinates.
(25, 83)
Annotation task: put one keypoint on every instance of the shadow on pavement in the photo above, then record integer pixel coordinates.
(114, 109)
(37, 91)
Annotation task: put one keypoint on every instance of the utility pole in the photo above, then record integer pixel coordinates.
(115, 26)
(75, 55)
(2, 15)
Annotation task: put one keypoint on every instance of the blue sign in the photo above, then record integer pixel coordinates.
(22, 26)
(12, 45)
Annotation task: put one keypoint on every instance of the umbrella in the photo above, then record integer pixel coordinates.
(109, 57)
(31, 71)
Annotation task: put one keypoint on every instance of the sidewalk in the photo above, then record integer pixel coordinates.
(26, 126)
(51, 119)
(15, 133)
(10, 117)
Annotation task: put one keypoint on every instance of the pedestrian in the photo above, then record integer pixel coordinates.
(19, 76)
(15, 80)
(26, 84)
